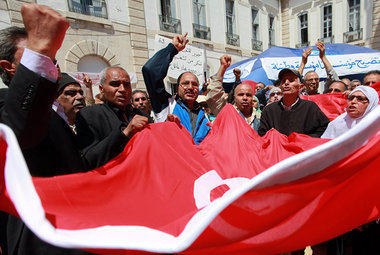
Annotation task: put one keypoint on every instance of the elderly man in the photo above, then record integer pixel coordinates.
(311, 78)
(372, 77)
(105, 129)
(70, 97)
(184, 104)
(47, 143)
(292, 114)
(337, 87)
(243, 96)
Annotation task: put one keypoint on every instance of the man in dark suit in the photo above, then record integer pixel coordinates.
(47, 142)
(105, 129)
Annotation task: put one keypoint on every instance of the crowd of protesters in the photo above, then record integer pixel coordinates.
(59, 134)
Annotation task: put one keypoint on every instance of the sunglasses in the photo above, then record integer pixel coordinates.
(359, 98)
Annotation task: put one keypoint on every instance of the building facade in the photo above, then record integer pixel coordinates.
(122, 32)
(101, 33)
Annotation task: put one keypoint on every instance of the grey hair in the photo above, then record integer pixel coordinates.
(103, 73)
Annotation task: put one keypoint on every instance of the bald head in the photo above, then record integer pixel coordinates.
(243, 98)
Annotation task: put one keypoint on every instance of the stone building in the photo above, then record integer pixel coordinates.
(101, 33)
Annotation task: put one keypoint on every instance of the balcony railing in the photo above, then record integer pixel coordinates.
(233, 39)
(304, 44)
(202, 32)
(97, 8)
(353, 35)
(327, 39)
(257, 45)
(170, 24)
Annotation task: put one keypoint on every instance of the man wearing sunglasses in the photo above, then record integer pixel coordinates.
(182, 106)
(70, 97)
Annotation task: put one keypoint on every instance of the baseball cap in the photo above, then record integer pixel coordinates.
(287, 70)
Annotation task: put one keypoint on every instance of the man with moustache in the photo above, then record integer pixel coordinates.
(184, 105)
(70, 97)
(291, 113)
(140, 100)
(103, 130)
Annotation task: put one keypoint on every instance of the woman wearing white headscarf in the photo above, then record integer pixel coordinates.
(361, 101)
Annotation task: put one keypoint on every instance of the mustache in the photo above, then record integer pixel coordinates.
(79, 102)
(189, 91)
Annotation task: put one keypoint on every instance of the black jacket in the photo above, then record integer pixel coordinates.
(305, 117)
(99, 131)
(48, 145)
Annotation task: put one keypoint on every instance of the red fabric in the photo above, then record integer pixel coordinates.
(250, 83)
(334, 104)
(152, 184)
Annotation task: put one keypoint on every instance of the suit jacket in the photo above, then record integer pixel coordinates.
(99, 131)
(47, 142)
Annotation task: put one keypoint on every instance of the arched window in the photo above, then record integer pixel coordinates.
(91, 64)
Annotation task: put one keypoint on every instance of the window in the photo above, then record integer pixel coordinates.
(230, 16)
(255, 24)
(232, 38)
(168, 22)
(199, 11)
(353, 15)
(200, 28)
(95, 8)
(303, 30)
(327, 22)
(354, 31)
(271, 31)
(256, 43)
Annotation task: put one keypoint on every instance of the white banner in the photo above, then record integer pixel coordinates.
(342, 64)
(191, 59)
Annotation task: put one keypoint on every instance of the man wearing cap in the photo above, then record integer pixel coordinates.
(70, 97)
(291, 113)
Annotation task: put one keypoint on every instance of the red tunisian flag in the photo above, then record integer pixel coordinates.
(235, 193)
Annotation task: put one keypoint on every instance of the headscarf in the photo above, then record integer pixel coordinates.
(344, 122)
(258, 104)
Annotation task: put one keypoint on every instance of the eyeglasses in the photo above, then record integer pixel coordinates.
(187, 84)
(359, 98)
(73, 92)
